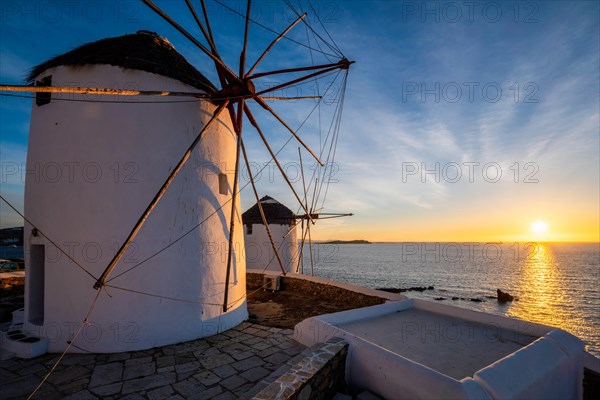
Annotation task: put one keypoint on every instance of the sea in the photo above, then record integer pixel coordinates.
(556, 284)
(11, 252)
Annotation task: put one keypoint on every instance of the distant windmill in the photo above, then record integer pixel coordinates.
(269, 221)
(214, 131)
(280, 229)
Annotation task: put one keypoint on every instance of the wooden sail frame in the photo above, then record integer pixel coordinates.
(236, 90)
(242, 88)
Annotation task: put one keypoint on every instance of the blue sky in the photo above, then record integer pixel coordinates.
(499, 101)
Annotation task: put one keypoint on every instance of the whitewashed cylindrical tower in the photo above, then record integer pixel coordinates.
(93, 167)
(259, 250)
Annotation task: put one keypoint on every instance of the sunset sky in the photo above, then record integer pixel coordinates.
(461, 123)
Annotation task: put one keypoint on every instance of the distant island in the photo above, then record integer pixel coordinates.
(348, 242)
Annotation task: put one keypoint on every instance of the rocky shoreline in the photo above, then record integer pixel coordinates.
(501, 296)
(410, 289)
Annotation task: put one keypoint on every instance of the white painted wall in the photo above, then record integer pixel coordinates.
(259, 251)
(92, 170)
(550, 367)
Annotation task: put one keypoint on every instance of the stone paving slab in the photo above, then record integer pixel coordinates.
(227, 366)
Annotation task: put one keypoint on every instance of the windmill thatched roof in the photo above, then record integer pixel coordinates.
(275, 212)
(144, 50)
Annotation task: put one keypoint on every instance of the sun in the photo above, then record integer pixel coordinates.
(539, 227)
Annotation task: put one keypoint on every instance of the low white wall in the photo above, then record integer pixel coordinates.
(592, 363)
(378, 370)
(393, 377)
(550, 367)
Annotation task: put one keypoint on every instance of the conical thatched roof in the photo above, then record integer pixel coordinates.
(144, 50)
(275, 212)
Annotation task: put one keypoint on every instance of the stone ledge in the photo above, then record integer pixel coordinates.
(317, 374)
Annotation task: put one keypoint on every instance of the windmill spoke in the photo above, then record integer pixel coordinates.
(232, 115)
(234, 11)
(335, 216)
(314, 196)
(243, 54)
(229, 74)
(293, 227)
(342, 64)
(211, 39)
(201, 26)
(306, 206)
(274, 42)
(102, 279)
(292, 82)
(99, 91)
(301, 255)
(260, 209)
(240, 115)
(312, 264)
(303, 180)
(269, 98)
(334, 48)
(262, 136)
(304, 231)
(266, 107)
(238, 124)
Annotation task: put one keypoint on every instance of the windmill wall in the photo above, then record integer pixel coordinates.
(259, 251)
(92, 169)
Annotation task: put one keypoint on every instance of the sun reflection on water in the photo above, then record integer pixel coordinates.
(541, 290)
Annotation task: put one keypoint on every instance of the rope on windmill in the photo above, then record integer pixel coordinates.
(46, 236)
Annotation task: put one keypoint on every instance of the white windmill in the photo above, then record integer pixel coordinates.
(173, 273)
(280, 230)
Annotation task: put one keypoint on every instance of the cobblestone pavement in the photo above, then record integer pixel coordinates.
(232, 365)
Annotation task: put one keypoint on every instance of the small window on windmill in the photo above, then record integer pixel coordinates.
(223, 184)
(249, 229)
(43, 98)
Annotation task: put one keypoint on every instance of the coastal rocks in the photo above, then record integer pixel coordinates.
(439, 298)
(504, 297)
(473, 299)
(411, 289)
